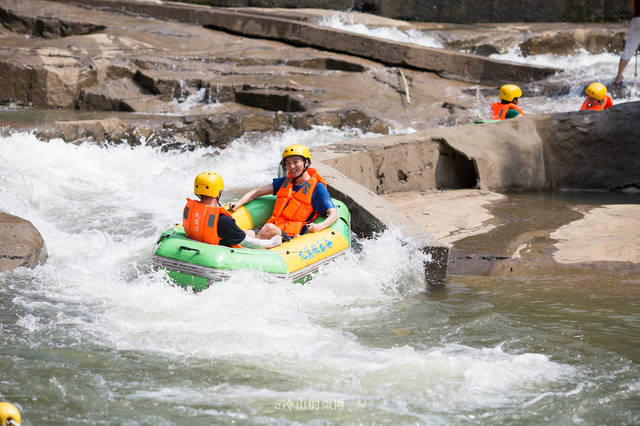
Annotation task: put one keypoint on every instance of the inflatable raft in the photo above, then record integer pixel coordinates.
(197, 265)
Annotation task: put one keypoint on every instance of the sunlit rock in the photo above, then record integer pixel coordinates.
(21, 245)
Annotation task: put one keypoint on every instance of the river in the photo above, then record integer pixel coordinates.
(578, 70)
(95, 336)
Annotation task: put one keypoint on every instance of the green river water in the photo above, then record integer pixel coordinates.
(95, 336)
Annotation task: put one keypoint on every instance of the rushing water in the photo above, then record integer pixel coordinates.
(96, 336)
(346, 22)
(577, 70)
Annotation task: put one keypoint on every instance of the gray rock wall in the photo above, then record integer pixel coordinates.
(590, 150)
(458, 10)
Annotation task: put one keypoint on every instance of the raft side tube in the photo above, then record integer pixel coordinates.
(194, 264)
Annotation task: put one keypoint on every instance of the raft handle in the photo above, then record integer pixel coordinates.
(189, 248)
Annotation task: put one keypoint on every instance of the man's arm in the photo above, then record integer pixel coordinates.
(332, 216)
(265, 190)
(323, 204)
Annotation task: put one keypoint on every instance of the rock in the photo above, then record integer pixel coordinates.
(21, 245)
(271, 100)
(45, 27)
(565, 42)
(258, 123)
(592, 151)
(357, 119)
(380, 127)
(301, 121)
(447, 11)
(574, 150)
(330, 119)
(222, 130)
(116, 95)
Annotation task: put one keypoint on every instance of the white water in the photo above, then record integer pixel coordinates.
(100, 211)
(345, 22)
(579, 69)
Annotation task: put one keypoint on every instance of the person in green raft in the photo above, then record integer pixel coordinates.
(204, 220)
(302, 197)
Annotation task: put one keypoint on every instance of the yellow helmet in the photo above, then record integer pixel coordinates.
(597, 91)
(510, 91)
(9, 412)
(208, 183)
(296, 149)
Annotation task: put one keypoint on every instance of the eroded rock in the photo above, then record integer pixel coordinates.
(21, 245)
(45, 27)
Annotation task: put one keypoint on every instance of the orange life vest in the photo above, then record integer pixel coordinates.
(599, 106)
(499, 110)
(200, 221)
(292, 209)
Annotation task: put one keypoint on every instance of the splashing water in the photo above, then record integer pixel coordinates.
(579, 69)
(121, 340)
(345, 22)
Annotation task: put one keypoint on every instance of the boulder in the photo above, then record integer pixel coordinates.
(564, 42)
(20, 243)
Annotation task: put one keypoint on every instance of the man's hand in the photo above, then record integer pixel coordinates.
(313, 227)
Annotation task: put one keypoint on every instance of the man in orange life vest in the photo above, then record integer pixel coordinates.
(508, 105)
(302, 196)
(205, 221)
(597, 98)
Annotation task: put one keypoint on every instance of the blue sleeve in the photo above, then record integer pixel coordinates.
(277, 183)
(321, 200)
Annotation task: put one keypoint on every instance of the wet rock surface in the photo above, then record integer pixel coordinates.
(141, 65)
(137, 65)
(120, 62)
(446, 11)
(21, 245)
(546, 235)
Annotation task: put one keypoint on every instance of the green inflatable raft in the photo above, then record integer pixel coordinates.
(197, 265)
